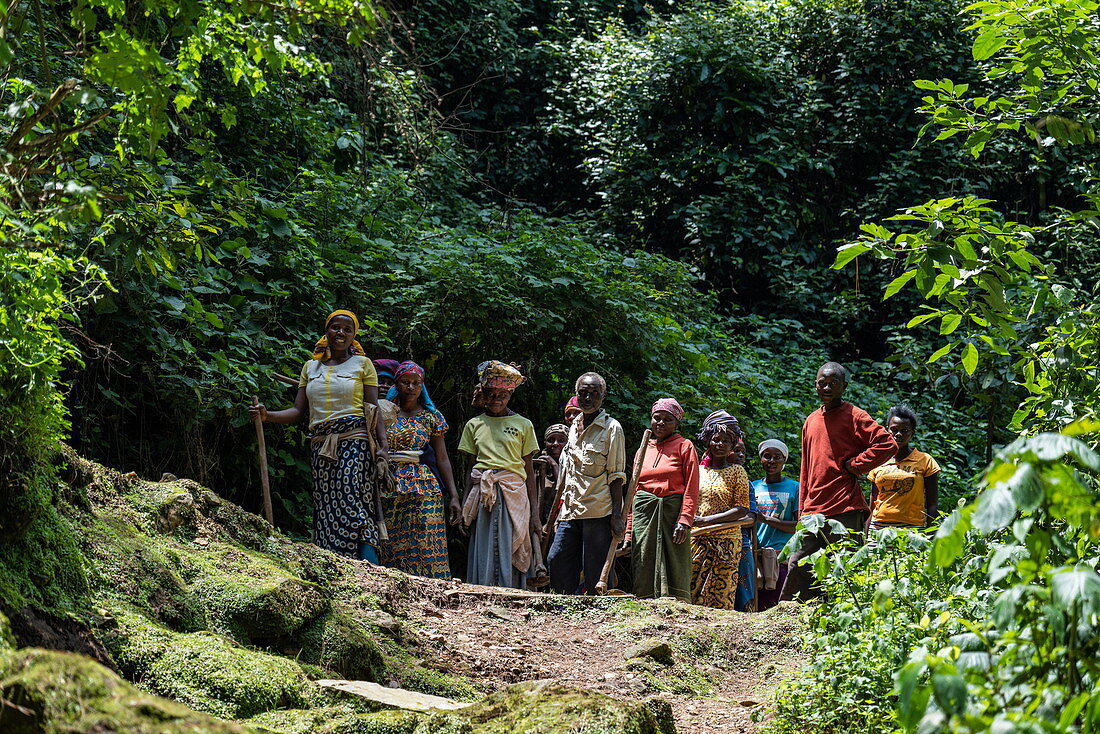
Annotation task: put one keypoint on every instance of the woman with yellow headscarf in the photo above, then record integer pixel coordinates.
(335, 389)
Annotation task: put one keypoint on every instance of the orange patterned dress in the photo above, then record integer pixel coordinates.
(417, 528)
(715, 556)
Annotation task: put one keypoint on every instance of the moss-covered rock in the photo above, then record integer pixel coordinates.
(336, 721)
(42, 565)
(127, 564)
(415, 677)
(339, 643)
(46, 692)
(206, 671)
(536, 707)
(260, 610)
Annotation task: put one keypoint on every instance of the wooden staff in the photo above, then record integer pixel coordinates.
(628, 503)
(285, 380)
(704, 529)
(265, 480)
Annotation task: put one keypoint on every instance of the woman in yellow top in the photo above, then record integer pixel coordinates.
(904, 490)
(723, 498)
(334, 389)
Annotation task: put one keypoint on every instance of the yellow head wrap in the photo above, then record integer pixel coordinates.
(321, 352)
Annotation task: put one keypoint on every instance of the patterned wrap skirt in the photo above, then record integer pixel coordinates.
(416, 524)
(714, 570)
(661, 567)
(343, 491)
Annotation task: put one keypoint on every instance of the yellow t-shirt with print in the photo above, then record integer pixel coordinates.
(499, 442)
(899, 489)
(337, 391)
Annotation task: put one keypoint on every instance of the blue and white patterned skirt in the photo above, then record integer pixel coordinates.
(343, 491)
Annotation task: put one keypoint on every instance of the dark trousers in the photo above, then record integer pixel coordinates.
(800, 581)
(578, 545)
(768, 598)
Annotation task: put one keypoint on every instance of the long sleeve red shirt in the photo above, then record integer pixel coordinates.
(672, 467)
(830, 438)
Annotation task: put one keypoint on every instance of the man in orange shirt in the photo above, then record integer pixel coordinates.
(839, 443)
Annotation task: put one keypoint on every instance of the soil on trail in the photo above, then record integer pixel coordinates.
(718, 677)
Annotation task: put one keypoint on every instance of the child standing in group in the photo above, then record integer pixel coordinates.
(904, 490)
(777, 506)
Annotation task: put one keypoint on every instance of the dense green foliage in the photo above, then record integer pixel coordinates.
(215, 231)
(994, 626)
(652, 191)
(991, 627)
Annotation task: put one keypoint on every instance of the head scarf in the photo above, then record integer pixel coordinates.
(716, 421)
(386, 366)
(774, 443)
(571, 403)
(556, 428)
(495, 374)
(669, 405)
(321, 352)
(406, 368)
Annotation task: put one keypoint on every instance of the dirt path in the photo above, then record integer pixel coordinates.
(721, 670)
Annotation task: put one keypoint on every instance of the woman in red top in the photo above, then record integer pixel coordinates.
(664, 508)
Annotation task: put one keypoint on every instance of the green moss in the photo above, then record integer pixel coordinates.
(46, 691)
(44, 566)
(127, 564)
(336, 721)
(260, 610)
(339, 643)
(541, 707)
(7, 640)
(207, 671)
(445, 724)
(436, 682)
(682, 680)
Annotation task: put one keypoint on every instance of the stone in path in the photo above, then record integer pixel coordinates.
(395, 697)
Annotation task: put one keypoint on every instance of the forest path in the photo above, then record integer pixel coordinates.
(721, 667)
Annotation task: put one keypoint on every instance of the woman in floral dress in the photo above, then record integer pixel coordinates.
(414, 515)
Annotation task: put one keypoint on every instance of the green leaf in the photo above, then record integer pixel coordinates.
(988, 43)
(922, 318)
(970, 358)
(950, 539)
(1026, 487)
(995, 510)
(950, 693)
(897, 283)
(1079, 585)
(847, 253)
(950, 322)
(941, 352)
(912, 701)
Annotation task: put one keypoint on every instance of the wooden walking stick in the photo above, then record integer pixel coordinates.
(628, 503)
(265, 480)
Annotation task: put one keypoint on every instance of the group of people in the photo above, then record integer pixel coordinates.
(693, 527)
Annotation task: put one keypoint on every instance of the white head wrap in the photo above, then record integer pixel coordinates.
(775, 443)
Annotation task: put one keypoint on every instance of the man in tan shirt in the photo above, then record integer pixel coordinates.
(593, 466)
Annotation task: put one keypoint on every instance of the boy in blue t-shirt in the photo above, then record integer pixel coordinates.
(777, 505)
